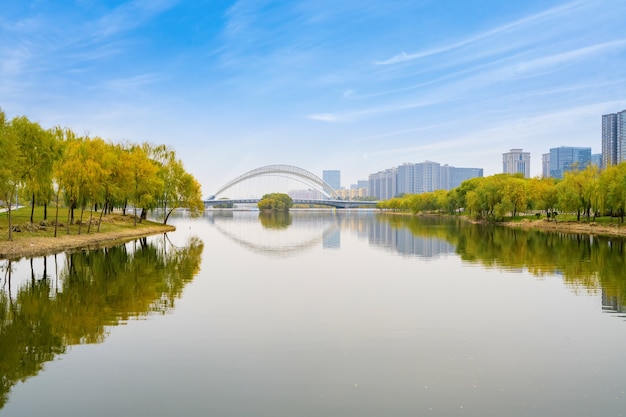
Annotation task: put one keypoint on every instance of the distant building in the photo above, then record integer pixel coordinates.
(609, 139)
(423, 177)
(596, 159)
(613, 138)
(516, 161)
(352, 193)
(382, 184)
(568, 158)
(452, 177)
(332, 177)
(309, 194)
(621, 136)
(545, 165)
(418, 178)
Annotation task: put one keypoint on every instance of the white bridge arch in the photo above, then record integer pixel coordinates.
(287, 171)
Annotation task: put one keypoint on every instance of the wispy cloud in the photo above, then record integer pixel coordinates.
(326, 117)
(556, 11)
(128, 16)
(534, 65)
(131, 83)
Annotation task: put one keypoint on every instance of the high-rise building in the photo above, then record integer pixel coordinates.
(609, 139)
(332, 177)
(545, 165)
(596, 159)
(621, 136)
(406, 179)
(452, 177)
(423, 177)
(382, 184)
(568, 158)
(427, 177)
(516, 161)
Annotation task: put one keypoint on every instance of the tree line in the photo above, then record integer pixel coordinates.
(587, 192)
(52, 166)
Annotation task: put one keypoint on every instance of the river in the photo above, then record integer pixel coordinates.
(319, 313)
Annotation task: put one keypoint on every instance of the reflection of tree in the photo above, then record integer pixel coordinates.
(594, 262)
(275, 219)
(100, 288)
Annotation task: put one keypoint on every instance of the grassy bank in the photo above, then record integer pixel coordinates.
(566, 223)
(37, 238)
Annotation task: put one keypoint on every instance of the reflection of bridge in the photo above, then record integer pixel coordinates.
(330, 196)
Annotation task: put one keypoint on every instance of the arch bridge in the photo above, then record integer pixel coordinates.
(330, 196)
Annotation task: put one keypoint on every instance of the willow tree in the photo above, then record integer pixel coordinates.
(10, 164)
(180, 188)
(145, 185)
(37, 149)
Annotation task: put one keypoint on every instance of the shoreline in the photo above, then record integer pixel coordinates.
(542, 225)
(42, 246)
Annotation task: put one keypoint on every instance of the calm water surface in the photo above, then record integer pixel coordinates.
(319, 314)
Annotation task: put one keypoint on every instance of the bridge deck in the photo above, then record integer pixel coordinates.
(318, 202)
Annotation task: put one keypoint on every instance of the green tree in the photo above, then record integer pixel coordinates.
(543, 194)
(180, 188)
(612, 182)
(145, 184)
(275, 202)
(10, 168)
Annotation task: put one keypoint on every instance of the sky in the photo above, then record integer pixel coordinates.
(359, 86)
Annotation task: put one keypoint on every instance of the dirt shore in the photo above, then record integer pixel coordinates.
(570, 227)
(551, 226)
(39, 246)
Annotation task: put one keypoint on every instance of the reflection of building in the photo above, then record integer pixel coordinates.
(612, 303)
(403, 241)
(331, 239)
(516, 161)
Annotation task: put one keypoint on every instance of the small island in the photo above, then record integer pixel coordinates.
(275, 203)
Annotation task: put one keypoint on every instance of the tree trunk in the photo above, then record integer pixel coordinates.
(56, 216)
(10, 223)
(45, 211)
(32, 208)
(80, 225)
(104, 208)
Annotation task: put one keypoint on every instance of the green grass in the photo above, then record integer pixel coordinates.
(21, 217)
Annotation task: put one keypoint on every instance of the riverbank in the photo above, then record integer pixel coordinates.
(43, 245)
(37, 238)
(591, 228)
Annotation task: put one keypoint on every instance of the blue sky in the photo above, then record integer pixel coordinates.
(359, 86)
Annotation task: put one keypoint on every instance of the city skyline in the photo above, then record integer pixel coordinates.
(363, 86)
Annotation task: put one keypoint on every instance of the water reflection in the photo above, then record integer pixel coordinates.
(89, 292)
(593, 263)
(277, 235)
